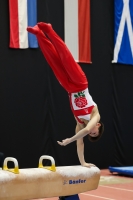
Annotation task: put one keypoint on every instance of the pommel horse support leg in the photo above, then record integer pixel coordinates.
(45, 182)
(72, 197)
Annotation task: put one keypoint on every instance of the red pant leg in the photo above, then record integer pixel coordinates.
(52, 58)
(73, 70)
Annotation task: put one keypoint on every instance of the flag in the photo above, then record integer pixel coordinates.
(77, 29)
(123, 32)
(22, 13)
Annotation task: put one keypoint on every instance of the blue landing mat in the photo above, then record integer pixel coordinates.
(122, 170)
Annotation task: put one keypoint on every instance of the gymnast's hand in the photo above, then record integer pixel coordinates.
(64, 142)
(88, 165)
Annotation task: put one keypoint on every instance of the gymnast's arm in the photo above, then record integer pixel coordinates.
(83, 132)
(80, 149)
(80, 146)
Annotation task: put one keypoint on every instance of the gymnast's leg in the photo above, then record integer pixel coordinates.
(74, 71)
(52, 57)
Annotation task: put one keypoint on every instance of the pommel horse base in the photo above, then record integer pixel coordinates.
(46, 182)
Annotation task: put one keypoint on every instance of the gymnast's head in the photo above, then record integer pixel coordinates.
(97, 132)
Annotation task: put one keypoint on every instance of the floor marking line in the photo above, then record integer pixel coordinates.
(97, 196)
(116, 188)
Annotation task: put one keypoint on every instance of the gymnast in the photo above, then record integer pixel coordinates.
(73, 80)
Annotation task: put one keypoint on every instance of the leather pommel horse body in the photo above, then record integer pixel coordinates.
(45, 182)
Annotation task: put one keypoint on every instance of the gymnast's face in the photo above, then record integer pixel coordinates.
(95, 131)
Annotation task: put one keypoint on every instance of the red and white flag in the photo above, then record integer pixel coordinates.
(22, 13)
(77, 29)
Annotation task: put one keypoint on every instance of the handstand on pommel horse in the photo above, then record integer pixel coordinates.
(74, 81)
(45, 182)
(42, 182)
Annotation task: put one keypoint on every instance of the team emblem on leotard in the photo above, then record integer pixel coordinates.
(80, 100)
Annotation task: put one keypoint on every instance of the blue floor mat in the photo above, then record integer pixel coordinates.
(122, 170)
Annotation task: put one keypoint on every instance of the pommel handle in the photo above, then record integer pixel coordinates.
(52, 167)
(5, 167)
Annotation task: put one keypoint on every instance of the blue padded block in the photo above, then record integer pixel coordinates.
(122, 170)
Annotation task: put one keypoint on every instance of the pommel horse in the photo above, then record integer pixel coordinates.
(45, 182)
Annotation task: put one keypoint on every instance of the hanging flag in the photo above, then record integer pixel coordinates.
(22, 13)
(77, 29)
(123, 35)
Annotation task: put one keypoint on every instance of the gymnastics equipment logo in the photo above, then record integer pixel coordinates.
(73, 182)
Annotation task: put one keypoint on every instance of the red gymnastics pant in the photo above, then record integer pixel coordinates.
(59, 58)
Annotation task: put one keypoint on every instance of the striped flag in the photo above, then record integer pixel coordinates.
(123, 36)
(77, 29)
(22, 13)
